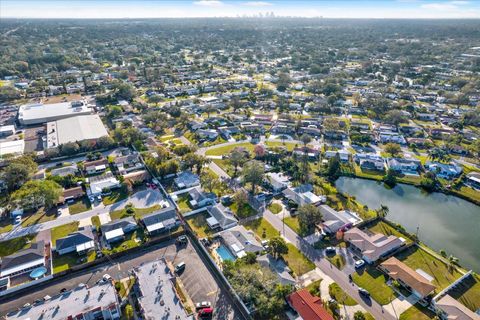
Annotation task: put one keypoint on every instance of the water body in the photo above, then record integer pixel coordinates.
(444, 222)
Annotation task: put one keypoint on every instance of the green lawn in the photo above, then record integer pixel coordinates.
(468, 292)
(38, 216)
(417, 312)
(375, 282)
(78, 206)
(132, 240)
(384, 228)
(243, 211)
(297, 262)
(183, 203)
(95, 221)
(337, 260)
(139, 212)
(199, 225)
(292, 222)
(115, 196)
(314, 288)
(341, 296)
(11, 246)
(275, 208)
(262, 228)
(66, 261)
(166, 137)
(417, 258)
(6, 225)
(289, 145)
(224, 150)
(63, 231)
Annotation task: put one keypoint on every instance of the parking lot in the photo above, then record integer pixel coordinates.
(197, 279)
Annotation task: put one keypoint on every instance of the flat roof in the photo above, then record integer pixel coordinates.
(71, 303)
(14, 147)
(77, 128)
(31, 112)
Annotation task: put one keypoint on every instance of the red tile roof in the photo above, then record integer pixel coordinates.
(308, 307)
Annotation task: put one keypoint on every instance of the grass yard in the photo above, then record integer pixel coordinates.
(63, 231)
(337, 260)
(275, 208)
(96, 221)
(384, 228)
(244, 211)
(66, 261)
(297, 262)
(6, 225)
(375, 282)
(166, 137)
(199, 225)
(262, 228)
(417, 312)
(289, 145)
(132, 240)
(468, 293)
(39, 216)
(183, 203)
(139, 212)
(11, 246)
(224, 150)
(78, 206)
(416, 258)
(292, 222)
(341, 296)
(314, 288)
(115, 196)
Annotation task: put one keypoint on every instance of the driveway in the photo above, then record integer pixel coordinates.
(64, 211)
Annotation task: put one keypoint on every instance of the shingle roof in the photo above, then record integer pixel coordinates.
(35, 251)
(308, 306)
(117, 224)
(81, 236)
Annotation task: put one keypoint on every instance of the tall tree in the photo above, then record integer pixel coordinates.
(279, 246)
(237, 158)
(253, 173)
(308, 217)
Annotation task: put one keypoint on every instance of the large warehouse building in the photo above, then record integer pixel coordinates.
(31, 114)
(79, 128)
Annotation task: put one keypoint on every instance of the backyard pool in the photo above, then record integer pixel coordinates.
(224, 253)
(37, 273)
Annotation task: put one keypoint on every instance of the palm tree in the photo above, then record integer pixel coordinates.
(305, 138)
(382, 211)
(451, 262)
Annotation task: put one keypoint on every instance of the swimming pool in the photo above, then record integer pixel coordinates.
(225, 254)
(37, 273)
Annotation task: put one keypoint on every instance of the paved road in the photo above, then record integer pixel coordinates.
(197, 279)
(143, 199)
(114, 152)
(338, 276)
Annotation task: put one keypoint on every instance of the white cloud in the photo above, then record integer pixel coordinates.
(445, 6)
(209, 3)
(460, 3)
(258, 4)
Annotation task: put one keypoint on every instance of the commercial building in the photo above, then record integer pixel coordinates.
(87, 303)
(156, 292)
(38, 113)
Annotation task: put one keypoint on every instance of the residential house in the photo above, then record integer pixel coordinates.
(407, 277)
(311, 153)
(369, 161)
(199, 198)
(372, 246)
(302, 195)
(263, 119)
(278, 181)
(344, 155)
(96, 166)
(24, 260)
(209, 134)
(308, 307)
(334, 220)
(240, 241)
(186, 179)
(426, 116)
(115, 230)
(137, 177)
(278, 267)
(64, 171)
(79, 242)
(162, 220)
(394, 137)
(451, 309)
(87, 303)
(72, 194)
(128, 163)
(473, 180)
(104, 182)
(419, 142)
(405, 166)
(444, 170)
(221, 217)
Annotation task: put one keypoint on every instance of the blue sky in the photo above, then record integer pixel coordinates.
(429, 9)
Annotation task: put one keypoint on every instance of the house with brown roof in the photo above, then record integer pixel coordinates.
(372, 246)
(407, 277)
(307, 306)
(71, 194)
(450, 309)
(95, 166)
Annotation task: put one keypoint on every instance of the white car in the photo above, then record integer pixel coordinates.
(203, 305)
(107, 277)
(359, 264)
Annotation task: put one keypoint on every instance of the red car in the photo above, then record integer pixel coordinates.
(205, 313)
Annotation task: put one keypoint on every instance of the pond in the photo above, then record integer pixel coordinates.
(443, 221)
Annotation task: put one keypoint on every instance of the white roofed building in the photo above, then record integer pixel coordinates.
(37, 113)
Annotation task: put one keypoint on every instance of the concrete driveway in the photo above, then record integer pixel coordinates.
(64, 211)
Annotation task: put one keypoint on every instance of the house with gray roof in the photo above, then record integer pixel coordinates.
(79, 241)
(186, 179)
(64, 171)
(278, 267)
(199, 198)
(240, 241)
(221, 217)
(116, 230)
(24, 260)
(161, 220)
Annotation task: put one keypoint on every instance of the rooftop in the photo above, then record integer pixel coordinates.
(39, 111)
(78, 128)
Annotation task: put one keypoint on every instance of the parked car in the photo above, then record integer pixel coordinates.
(359, 264)
(18, 220)
(107, 277)
(99, 198)
(363, 292)
(329, 250)
(182, 240)
(203, 305)
(180, 267)
(205, 313)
